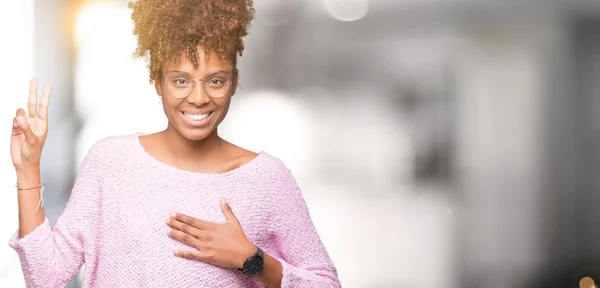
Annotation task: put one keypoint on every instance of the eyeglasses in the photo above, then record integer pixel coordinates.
(215, 84)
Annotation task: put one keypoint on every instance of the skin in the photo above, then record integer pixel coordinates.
(180, 145)
(26, 142)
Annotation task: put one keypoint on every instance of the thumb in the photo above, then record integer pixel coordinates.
(229, 216)
(30, 138)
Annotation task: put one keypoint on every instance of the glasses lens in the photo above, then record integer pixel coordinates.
(180, 86)
(217, 85)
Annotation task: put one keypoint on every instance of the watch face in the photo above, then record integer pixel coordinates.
(253, 266)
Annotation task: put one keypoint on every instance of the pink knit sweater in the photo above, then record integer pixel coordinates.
(115, 223)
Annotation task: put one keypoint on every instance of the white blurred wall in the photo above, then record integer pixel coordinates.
(17, 57)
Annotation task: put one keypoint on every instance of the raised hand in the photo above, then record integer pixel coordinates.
(29, 131)
(223, 245)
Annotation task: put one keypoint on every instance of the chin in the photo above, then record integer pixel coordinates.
(194, 135)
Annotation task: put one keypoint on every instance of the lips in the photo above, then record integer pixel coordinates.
(197, 119)
(196, 116)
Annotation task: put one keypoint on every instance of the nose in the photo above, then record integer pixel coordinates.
(198, 97)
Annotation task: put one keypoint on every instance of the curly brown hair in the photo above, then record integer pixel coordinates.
(165, 29)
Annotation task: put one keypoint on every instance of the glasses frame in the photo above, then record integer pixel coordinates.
(194, 80)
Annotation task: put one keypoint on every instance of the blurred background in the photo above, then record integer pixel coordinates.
(438, 143)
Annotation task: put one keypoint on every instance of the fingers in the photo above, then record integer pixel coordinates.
(16, 123)
(192, 255)
(32, 102)
(15, 129)
(185, 238)
(183, 227)
(229, 216)
(45, 102)
(30, 138)
(197, 223)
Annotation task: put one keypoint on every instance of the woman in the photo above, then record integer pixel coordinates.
(182, 207)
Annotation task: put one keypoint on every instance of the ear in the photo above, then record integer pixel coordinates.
(158, 85)
(234, 88)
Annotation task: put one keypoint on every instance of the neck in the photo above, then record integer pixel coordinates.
(195, 150)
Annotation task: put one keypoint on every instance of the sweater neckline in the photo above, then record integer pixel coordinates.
(149, 159)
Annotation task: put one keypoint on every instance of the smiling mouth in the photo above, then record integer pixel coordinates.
(196, 117)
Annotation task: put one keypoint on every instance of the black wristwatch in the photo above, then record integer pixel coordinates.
(253, 266)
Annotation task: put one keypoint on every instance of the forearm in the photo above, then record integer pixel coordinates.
(51, 255)
(28, 201)
(272, 272)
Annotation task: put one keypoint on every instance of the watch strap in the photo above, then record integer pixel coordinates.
(260, 253)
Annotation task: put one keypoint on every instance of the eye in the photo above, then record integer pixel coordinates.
(180, 82)
(216, 82)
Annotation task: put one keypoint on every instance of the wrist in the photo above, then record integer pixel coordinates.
(22, 169)
(28, 176)
(247, 251)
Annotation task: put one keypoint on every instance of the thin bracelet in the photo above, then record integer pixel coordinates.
(31, 188)
(42, 187)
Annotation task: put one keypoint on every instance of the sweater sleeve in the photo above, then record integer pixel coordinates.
(50, 256)
(303, 256)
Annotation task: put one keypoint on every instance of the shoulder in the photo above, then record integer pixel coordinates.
(111, 147)
(282, 192)
(240, 157)
(274, 172)
(272, 165)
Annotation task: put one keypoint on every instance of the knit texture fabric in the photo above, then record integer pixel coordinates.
(115, 224)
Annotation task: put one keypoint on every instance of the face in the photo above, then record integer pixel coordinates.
(196, 100)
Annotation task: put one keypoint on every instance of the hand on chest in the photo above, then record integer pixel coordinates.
(147, 211)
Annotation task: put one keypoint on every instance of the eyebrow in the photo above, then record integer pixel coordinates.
(212, 72)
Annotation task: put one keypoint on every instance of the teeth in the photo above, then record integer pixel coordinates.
(196, 117)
